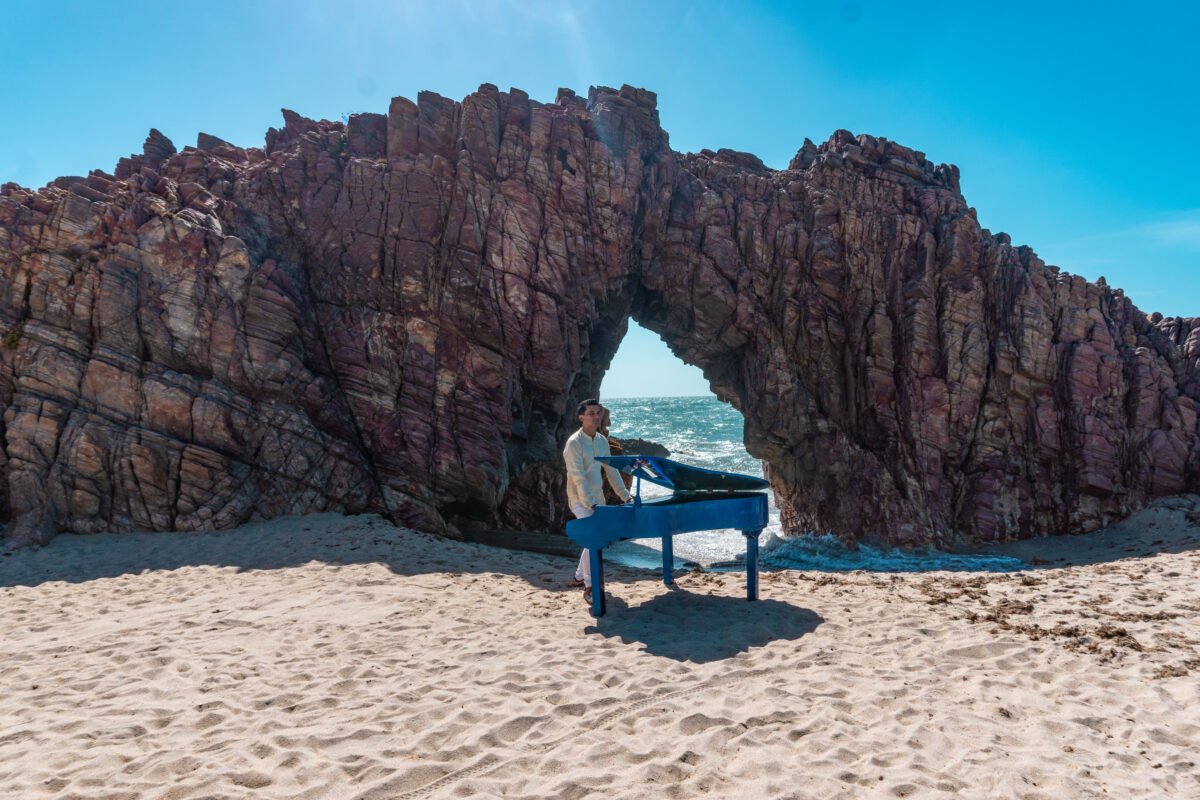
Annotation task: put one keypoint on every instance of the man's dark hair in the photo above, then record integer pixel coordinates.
(583, 406)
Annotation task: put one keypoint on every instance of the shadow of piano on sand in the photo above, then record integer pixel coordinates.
(686, 626)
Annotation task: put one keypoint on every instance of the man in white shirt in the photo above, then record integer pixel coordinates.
(585, 476)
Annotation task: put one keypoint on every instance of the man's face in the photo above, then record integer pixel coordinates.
(589, 420)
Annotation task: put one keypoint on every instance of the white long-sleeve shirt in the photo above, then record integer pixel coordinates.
(585, 484)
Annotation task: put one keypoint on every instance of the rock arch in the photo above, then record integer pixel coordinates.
(399, 313)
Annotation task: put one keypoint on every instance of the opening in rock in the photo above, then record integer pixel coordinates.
(645, 367)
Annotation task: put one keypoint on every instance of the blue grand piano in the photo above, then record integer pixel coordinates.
(702, 500)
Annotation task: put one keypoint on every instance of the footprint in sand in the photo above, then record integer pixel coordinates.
(250, 780)
(698, 723)
(516, 728)
(981, 651)
(209, 720)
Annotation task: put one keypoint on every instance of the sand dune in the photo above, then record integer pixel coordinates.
(334, 657)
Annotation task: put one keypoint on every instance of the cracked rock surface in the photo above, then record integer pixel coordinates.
(399, 313)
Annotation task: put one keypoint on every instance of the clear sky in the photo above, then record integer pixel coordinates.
(1074, 123)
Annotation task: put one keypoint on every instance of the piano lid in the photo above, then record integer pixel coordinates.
(682, 477)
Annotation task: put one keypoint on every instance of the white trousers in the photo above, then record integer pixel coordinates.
(583, 572)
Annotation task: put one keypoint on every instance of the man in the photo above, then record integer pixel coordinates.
(585, 481)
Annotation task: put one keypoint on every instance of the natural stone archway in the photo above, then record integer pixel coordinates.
(399, 314)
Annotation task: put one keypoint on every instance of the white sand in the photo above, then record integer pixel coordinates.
(331, 657)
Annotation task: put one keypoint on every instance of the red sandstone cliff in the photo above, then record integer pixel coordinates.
(399, 314)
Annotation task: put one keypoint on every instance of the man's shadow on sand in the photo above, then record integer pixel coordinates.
(687, 626)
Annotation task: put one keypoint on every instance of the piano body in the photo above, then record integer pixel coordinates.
(702, 500)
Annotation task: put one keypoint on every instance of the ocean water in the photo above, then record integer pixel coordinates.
(704, 432)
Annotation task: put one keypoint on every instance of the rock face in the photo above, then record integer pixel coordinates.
(400, 313)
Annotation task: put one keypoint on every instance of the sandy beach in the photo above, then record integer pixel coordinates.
(342, 657)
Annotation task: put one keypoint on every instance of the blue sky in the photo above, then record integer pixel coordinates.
(1074, 124)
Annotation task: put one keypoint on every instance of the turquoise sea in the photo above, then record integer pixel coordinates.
(705, 432)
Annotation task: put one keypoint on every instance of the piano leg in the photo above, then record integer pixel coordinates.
(751, 564)
(596, 560)
(668, 560)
